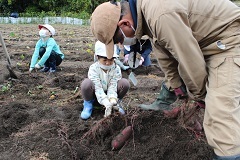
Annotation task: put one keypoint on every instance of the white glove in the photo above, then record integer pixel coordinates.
(30, 69)
(125, 68)
(108, 111)
(141, 61)
(108, 107)
(113, 101)
(126, 58)
(37, 66)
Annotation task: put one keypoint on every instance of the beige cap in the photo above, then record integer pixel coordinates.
(104, 22)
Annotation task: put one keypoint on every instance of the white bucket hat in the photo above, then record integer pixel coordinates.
(49, 27)
(100, 49)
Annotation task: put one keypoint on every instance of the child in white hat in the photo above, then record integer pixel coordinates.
(47, 50)
(104, 84)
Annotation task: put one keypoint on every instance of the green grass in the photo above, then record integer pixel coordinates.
(237, 2)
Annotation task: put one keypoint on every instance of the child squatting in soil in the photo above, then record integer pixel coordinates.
(47, 49)
(104, 84)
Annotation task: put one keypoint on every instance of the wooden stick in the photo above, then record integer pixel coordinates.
(5, 49)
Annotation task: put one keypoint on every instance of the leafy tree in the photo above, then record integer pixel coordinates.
(59, 7)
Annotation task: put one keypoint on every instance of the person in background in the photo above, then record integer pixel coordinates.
(198, 44)
(47, 50)
(104, 84)
(118, 51)
(143, 47)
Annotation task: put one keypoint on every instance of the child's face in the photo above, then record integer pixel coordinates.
(105, 61)
(47, 31)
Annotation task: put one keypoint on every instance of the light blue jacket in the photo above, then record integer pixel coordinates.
(50, 45)
(105, 82)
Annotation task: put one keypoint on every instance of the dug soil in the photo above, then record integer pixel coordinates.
(39, 112)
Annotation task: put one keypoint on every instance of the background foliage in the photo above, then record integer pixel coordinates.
(34, 8)
(65, 8)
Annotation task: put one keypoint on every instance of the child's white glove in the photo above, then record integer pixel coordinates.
(108, 111)
(125, 68)
(30, 69)
(37, 66)
(108, 107)
(113, 101)
(141, 61)
(126, 58)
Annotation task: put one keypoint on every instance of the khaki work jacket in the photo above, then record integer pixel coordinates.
(185, 32)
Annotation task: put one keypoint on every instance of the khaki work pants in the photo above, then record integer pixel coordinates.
(222, 113)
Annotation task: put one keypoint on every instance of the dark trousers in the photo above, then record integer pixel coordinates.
(53, 60)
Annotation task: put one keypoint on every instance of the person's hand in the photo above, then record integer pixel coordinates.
(180, 92)
(141, 61)
(125, 67)
(37, 66)
(108, 107)
(126, 58)
(31, 69)
(108, 111)
(113, 101)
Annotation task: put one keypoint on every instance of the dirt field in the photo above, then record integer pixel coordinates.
(39, 112)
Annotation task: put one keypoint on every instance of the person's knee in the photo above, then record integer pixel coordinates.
(124, 83)
(86, 84)
(42, 50)
(147, 61)
(52, 56)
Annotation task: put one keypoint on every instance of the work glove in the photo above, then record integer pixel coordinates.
(125, 67)
(126, 58)
(141, 61)
(37, 66)
(31, 69)
(113, 101)
(180, 92)
(108, 107)
(108, 111)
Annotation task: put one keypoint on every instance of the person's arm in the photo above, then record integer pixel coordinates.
(58, 50)
(35, 55)
(50, 44)
(114, 76)
(173, 31)
(94, 75)
(168, 65)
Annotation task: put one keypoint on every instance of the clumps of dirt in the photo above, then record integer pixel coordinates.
(13, 118)
(72, 138)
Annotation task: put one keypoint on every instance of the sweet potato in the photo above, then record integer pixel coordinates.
(172, 113)
(121, 138)
(197, 126)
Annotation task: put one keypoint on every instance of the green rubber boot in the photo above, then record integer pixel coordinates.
(164, 99)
